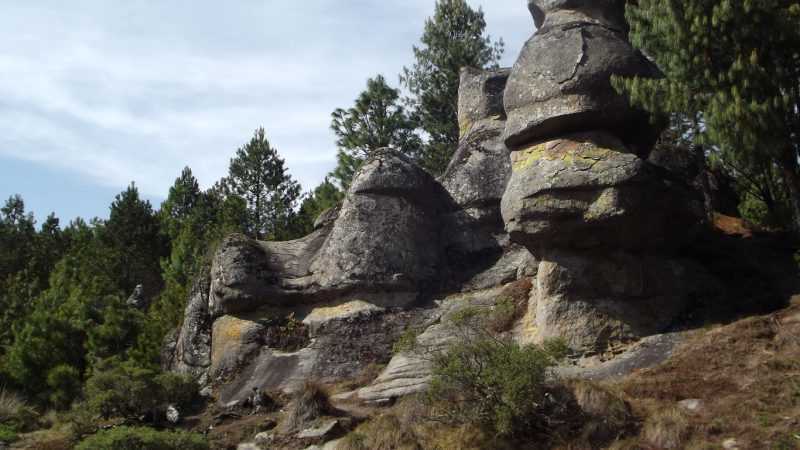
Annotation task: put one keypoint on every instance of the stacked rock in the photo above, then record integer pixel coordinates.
(582, 196)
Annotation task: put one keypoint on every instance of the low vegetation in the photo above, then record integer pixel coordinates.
(132, 438)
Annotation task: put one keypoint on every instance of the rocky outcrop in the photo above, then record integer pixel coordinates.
(550, 186)
(604, 221)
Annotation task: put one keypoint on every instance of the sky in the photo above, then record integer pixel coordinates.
(95, 94)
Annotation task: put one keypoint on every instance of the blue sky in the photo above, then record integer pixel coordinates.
(96, 94)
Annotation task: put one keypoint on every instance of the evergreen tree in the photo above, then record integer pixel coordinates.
(258, 175)
(453, 38)
(182, 198)
(376, 120)
(324, 197)
(134, 242)
(734, 68)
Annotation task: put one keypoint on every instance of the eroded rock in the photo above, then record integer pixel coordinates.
(588, 190)
(561, 84)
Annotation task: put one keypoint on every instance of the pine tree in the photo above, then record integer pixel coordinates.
(324, 197)
(183, 196)
(259, 176)
(376, 120)
(733, 67)
(453, 38)
(134, 243)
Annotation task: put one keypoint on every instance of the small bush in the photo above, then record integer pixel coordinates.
(139, 438)
(81, 421)
(496, 384)
(307, 404)
(176, 389)
(128, 391)
(608, 417)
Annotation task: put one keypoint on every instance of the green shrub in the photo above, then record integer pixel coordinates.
(64, 382)
(8, 434)
(139, 438)
(176, 389)
(81, 420)
(494, 383)
(128, 391)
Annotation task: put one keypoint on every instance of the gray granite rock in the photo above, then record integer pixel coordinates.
(561, 81)
(588, 191)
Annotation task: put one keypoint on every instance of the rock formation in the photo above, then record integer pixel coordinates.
(550, 192)
(582, 196)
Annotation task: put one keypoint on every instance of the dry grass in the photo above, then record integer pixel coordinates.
(309, 403)
(747, 375)
(385, 432)
(11, 405)
(510, 306)
(668, 429)
(608, 415)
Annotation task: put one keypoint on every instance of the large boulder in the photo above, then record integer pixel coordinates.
(588, 190)
(561, 82)
(600, 301)
(387, 233)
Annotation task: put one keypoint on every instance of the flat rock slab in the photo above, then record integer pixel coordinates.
(321, 430)
(649, 352)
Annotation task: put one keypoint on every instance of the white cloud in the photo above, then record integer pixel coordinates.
(136, 90)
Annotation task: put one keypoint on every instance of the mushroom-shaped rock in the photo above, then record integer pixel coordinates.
(561, 82)
(609, 13)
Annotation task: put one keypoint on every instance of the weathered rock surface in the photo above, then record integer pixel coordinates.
(597, 301)
(478, 173)
(587, 190)
(382, 239)
(582, 197)
(192, 351)
(409, 371)
(561, 81)
(247, 274)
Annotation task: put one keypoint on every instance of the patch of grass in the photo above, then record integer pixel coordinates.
(766, 420)
(668, 429)
(385, 432)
